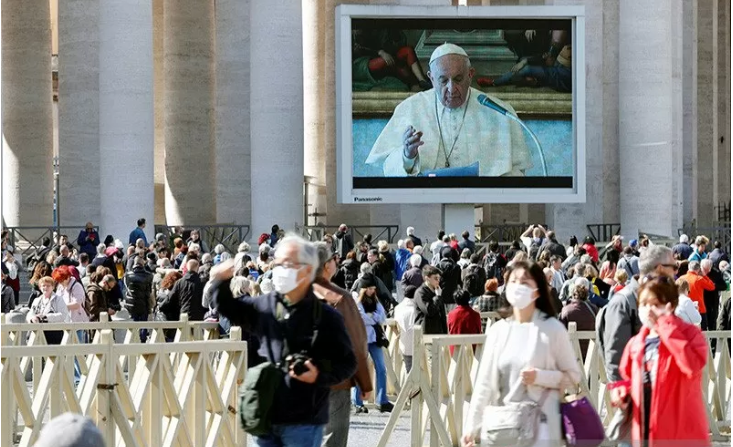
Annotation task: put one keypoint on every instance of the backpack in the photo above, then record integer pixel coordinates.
(494, 266)
(534, 250)
(472, 281)
(261, 383)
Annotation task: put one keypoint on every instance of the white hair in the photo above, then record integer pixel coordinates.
(582, 282)
(365, 268)
(219, 249)
(724, 265)
(226, 256)
(694, 266)
(195, 248)
(239, 286)
(684, 239)
(401, 243)
(100, 248)
(706, 264)
(415, 260)
(307, 252)
(382, 246)
(206, 257)
(653, 256)
(243, 247)
(418, 249)
(266, 285)
(410, 231)
(264, 248)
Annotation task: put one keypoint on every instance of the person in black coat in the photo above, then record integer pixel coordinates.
(413, 276)
(553, 246)
(450, 277)
(188, 293)
(350, 270)
(430, 312)
(139, 300)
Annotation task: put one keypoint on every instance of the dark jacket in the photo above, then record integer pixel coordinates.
(467, 243)
(344, 243)
(88, 246)
(415, 241)
(583, 314)
(615, 325)
(384, 270)
(413, 277)
(138, 285)
(554, 248)
(716, 256)
(383, 293)
(685, 250)
(450, 278)
(8, 298)
(295, 402)
(350, 269)
(430, 312)
(187, 293)
(63, 260)
(97, 299)
(473, 278)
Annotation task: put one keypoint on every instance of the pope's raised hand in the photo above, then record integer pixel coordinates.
(411, 141)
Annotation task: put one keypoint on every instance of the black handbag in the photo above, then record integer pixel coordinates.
(381, 337)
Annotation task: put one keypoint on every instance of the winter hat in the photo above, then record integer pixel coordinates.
(70, 430)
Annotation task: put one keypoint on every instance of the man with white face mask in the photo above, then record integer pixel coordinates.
(288, 323)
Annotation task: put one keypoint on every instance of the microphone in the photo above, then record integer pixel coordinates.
(488, 102)
(493, 105)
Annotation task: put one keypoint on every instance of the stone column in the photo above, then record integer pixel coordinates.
(233, 175)
(125, 116)
(276, 115)
(569, 219)
(26, 114)
(707, 110)
(79, 111)
(646, 118)
(189, 115)
(159, 108)
(723, 165)
(689, 107)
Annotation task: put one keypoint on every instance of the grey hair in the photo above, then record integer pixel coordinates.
(707, 264)
(307, 252)
(415, 260)
(581, 282)
(194, 247)
(100, 248)
(226, 256)
(206, 257)
(653, 256)
(243, 247)
(401, 243)
(239, 286)
(324, 254)
(219, 249)
(694, 266)
(365, 268)
(418, 249)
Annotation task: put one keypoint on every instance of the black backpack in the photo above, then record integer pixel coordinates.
(534, 250)
(261, 383)
(472, 280)
(494, 264)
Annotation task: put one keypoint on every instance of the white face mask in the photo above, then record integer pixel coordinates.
(519, 295)
(646, 311)
(285, 280)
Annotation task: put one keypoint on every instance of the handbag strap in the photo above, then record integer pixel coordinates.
(517, 385)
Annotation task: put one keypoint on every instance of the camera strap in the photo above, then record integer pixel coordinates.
(282, 314)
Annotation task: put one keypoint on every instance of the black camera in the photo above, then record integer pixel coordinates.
(296, 363)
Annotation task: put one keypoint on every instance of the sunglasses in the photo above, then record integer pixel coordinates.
(662, 279)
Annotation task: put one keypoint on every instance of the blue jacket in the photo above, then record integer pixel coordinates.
(400, 266)
(696, 256)
(296, 402)
(88, 246)
(136, 234)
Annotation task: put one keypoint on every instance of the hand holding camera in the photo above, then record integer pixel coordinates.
(301, 368)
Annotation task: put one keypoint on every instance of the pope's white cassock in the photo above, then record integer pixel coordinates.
(493, 140)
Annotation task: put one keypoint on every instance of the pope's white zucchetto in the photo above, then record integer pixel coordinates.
(446, 49)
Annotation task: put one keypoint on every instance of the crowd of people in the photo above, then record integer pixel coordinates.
(646, 302)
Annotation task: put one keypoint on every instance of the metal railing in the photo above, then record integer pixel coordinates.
(357, 232)
(229, 235)
(604, 231)
(500, 232)
(26, 240)
(719, 232)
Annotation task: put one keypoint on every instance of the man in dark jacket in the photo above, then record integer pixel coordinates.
(450, 276)
(300, 405)
(64, 258)
(430, 312)
(413, 276)
(188, 292)
(717, 255)
(139, 298)
(467, 243)
(343, 241)
(473, 277)
(88, 240)
(553, 246)
(712, 297)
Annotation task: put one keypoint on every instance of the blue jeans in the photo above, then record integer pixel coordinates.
(143, 332)
(82, 336)
(378, 358)
(292, 436)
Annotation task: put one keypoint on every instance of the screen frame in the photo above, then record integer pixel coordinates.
(346, 194)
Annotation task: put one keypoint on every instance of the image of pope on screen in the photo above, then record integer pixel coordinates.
(452, 129)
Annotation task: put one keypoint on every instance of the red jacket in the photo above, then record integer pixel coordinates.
(463, 320)
(698, 283)
(592, 251)
(678, 408)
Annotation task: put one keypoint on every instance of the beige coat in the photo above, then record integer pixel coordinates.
(552, 356)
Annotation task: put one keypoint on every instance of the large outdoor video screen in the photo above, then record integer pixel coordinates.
(460, 105)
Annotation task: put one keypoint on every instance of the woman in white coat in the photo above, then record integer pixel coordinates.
(525, 355)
